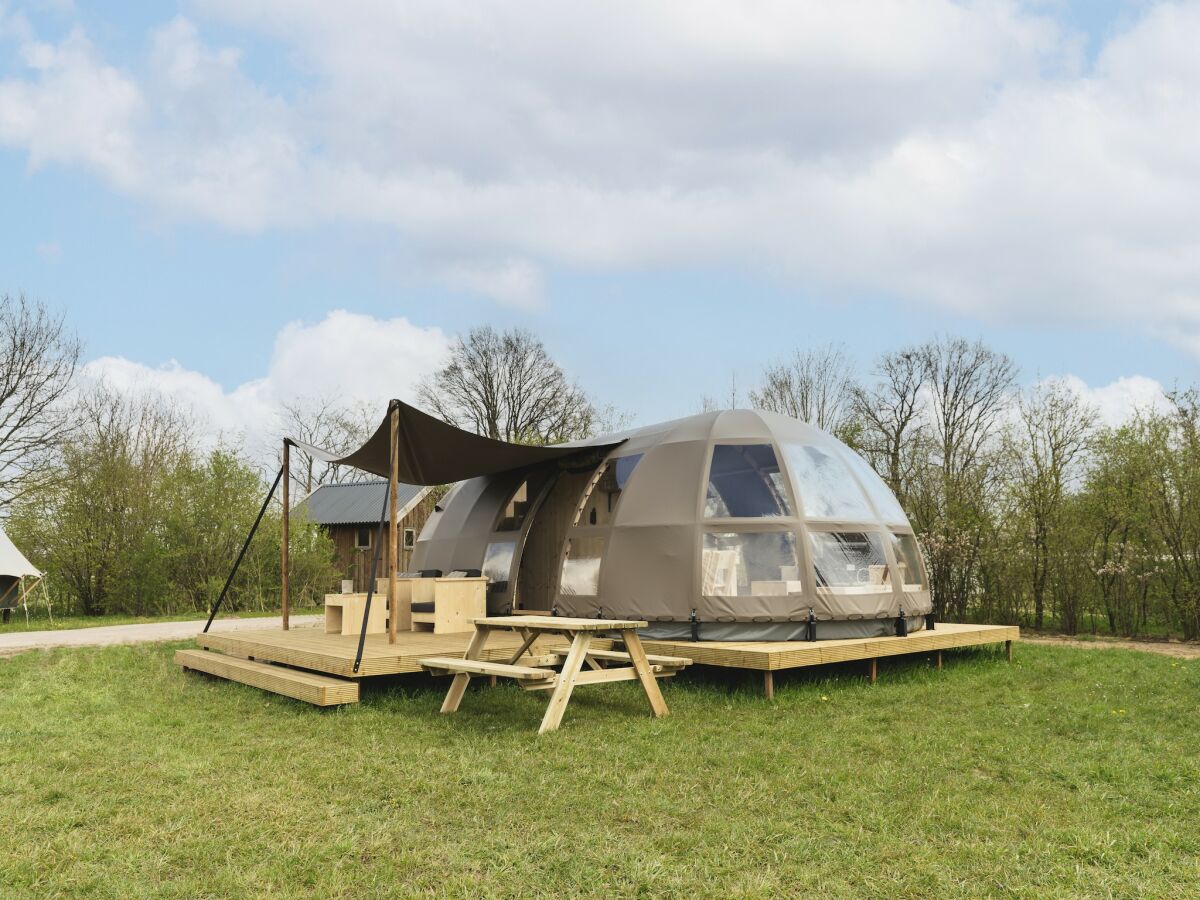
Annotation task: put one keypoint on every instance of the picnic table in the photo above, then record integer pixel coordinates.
(538, 672)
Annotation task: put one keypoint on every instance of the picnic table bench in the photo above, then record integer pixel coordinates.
(537, 673)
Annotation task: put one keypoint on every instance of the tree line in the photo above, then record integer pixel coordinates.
(1027, 508)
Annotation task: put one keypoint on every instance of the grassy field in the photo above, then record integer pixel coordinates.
(1068, 773)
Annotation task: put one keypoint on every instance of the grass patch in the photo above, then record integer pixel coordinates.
(1067, 773)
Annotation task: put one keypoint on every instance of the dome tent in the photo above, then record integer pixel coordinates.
(733, 525)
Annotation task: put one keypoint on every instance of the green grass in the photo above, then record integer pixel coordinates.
(1069, 773)
(40, 621)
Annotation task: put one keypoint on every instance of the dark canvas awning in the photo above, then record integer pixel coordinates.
(433, 452)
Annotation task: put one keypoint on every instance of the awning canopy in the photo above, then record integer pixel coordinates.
(433, 452)
(12, 561)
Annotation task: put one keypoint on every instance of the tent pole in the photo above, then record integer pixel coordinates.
(394, 530)
(283, 538)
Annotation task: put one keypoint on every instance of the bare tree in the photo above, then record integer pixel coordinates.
(816, 385)
(891, 413)
(504, 385)
(331, 425)
(38, 360)
(1055, 429)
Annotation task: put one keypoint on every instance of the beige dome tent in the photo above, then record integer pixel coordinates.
(14, 569)
(735, 525)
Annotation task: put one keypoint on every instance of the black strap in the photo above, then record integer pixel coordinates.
(812, 626)
(695, 626)
(245, 546)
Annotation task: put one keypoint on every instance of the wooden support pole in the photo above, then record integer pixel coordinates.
(1008, 649)
(769, 684)
(939, 660)
(874, 670)
(283, 536)
(394, 532)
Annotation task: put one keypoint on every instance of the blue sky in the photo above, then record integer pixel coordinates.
(185, 182)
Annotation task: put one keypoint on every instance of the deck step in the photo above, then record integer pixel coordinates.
(320, 690)
(445, 664)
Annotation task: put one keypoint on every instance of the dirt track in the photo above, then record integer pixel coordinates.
(1166, 648)
(106, 635)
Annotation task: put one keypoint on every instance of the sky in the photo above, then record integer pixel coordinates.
(242, 202)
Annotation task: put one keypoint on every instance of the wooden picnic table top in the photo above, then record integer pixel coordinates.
(558, 623)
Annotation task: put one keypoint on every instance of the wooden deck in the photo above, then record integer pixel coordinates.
(316, 651)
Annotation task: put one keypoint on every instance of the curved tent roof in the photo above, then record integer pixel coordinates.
(12, 561)
(434, 452)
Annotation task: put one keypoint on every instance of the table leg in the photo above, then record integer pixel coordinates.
(530, 637)
(637, 654)
(458, 687)
(566, 682)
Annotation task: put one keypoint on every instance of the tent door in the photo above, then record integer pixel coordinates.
(541, 555)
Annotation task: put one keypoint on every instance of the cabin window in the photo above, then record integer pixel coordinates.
(410, 538)
(362, 538)
(600, 500)
(881, 495)
(497, 562)
(581, 568)
(850, 562)
(911, 571)
(512, 517)
(744, 481)
(824, 486)
(763, 564)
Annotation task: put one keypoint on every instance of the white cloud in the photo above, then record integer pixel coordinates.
(1118, 402)
(346, 356)
(960, 155)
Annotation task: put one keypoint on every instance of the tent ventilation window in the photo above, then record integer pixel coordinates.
(512, 517)
(745, 482)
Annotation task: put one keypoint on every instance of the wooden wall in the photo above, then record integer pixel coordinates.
(356, 564)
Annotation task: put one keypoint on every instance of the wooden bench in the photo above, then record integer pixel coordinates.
(449, 665)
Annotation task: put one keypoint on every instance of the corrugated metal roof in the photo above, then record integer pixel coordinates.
(356, 503)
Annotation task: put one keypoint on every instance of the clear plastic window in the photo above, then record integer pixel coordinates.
(601, 500)
(497, 561)
(881, 495)
(512, 517)
(825, 488)
(908, 561)
(745, 482)
(744, 565)
(581, 568)
(850, 561)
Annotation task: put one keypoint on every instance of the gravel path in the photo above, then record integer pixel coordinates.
(106, 635)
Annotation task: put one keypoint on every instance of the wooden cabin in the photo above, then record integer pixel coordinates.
(349, 513)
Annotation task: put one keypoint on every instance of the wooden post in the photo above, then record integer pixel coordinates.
(1008, 650)
(769, 684)
(939, 662)
(394, 531)
(874, 670)
(283, 537)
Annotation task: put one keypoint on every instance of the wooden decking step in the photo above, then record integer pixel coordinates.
(320, 690)
(441, 665)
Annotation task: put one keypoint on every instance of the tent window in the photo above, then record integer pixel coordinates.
(908, 561)
(881, 495)
(745, 482)
(600, 500)
(850, 562)
(497, 562)
(750, 565)
(410, 538)
(825, 488)
(581, 568)
(512, 517)
(362, 538)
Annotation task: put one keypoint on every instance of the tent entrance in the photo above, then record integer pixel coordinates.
(541, 555)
